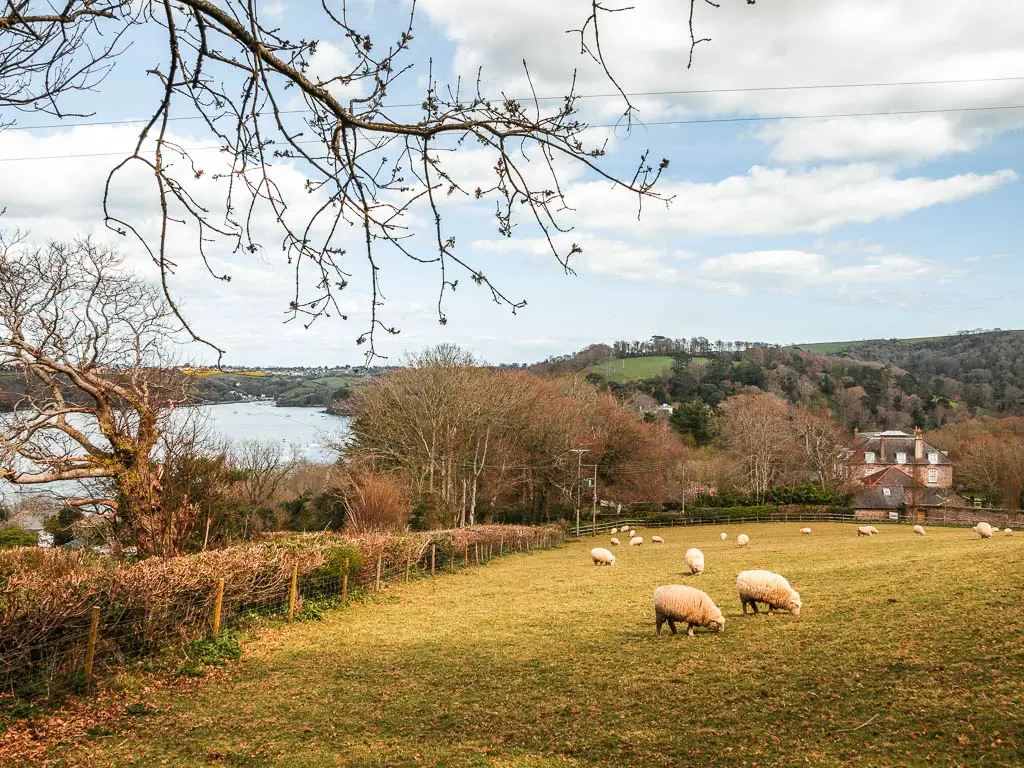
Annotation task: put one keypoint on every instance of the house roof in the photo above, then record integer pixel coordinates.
(889, 477)
(875, 497)
(886, 445)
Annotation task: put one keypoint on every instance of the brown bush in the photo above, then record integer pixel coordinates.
(375, 502)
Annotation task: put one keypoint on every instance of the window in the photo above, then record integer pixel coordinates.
(887, 491)
(901, 457)
(933, 475)
(933, 458)
(869, 457)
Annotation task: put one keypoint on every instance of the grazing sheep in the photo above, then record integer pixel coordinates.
(657, 540)
(694, 560)
(675, 602)
(636, 541)
(613, 531)
(1008, 531)
(602, 556)
(872, 530)
(766, 587)
(723, 536)
(742, 540)
(984, 530)
(632, 533)
(615, 541)
(919, 530)
(864, 530)
(805, 531)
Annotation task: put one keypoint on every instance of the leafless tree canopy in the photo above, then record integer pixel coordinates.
(366, 169)
(91, 343)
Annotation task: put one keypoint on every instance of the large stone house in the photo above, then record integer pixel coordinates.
(895, 474)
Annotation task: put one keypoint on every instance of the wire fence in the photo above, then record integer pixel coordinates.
(137, 616)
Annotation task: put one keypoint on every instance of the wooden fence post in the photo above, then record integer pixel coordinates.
(433, 558)
(90, 653)
(465, 556)
(501, 545)
(476, 553)
(408, 565)
(217, 606)
(344, 584)
(380, 558)
(292, 593)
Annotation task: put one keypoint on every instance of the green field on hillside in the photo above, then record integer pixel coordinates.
(907, 653)
(637, 368)
(838, 347)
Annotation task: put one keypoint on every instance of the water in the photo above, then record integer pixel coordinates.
(307, 431)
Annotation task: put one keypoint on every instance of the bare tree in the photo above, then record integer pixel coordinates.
(92, 344)
(368, 170)
(756, 430)
(826, 448)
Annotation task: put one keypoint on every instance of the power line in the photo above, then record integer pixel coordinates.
(636, 94)
(695, 121)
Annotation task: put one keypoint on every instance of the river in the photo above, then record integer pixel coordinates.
(308, 431)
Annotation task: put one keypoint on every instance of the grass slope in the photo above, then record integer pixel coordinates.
(542, 660)
(838, 347)
(632, 368)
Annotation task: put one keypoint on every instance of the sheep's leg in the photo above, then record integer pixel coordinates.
(659, 620)
(771, 609)
(753, 604)
(689, 631)
(743, 605)
(672, 625)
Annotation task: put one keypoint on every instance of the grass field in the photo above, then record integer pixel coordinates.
(838, 347)
(908, 652)
(637, 368)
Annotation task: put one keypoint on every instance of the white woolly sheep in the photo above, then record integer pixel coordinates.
(632, 533)
(864, 530)
(984, 530)
(694, 560)
(636, 541)
(742, 540)
(615, 541)
(1008, 531)
(602, 556)
(872, 530)
(805, 531)
(766, 587)
(675, 602)
(919, 530)
(657, 540)
(613, 531)
(723, 536)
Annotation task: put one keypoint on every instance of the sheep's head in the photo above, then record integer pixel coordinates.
(717, 624)
(795, 604)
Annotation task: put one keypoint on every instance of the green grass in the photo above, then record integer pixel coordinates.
(541, 660)
(838, 347)
(632, 368)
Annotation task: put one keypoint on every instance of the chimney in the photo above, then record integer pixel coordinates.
(881, 449)
(856, 432)
(918, 444)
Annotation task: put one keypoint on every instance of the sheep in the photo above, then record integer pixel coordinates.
(984, 530)
(602, 556)
(767, 587)
(742, 540)
(632, 533)
(723, 536)
(872, 530)
(613, 531)
(1008, 531)
(657, 540)
(694, 560)
(675, 602)
(864, 530)
(615, 541)
(919, 530)
(805, 531)
(636, 541)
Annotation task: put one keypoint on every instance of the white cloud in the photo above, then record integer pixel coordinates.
(801, 42)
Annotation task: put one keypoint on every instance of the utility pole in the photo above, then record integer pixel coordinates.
(593, 512)
(579, 480)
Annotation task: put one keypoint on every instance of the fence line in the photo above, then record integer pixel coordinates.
(106, 635)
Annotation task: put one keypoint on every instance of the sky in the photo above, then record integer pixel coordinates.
(832, 225)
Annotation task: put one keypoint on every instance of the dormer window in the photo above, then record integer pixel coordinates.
(869, 457)
(933, 458)
(887, 492)
(901, 457)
